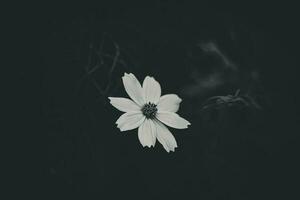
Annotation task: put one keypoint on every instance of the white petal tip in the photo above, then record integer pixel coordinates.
(151, 77)
(122, 130)
(127, 74)
(148, 145)
(187, 124)
(171, 150)
(179, 99)
(184, 127)
(118, 126)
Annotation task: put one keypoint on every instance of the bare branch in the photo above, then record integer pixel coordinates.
(113, 66)
(98, 87)
(100, 62)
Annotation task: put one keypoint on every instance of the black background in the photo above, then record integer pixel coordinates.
(231, 153)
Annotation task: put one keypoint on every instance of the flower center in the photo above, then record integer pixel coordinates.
(149, 110)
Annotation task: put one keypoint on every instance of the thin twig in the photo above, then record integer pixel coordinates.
(100, 63)
(101, 49)
(237, 92)
(119, 61)
(98, 87)
(113, 66)
(89, 57)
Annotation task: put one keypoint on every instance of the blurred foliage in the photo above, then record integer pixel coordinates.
(219, 102)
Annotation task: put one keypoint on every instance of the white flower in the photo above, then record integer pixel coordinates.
(149, 111)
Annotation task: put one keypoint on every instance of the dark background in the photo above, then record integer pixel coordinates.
(195, 50)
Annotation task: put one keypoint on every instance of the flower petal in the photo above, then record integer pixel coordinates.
(133, 88)
(147, 133)
(130, 120)
(152, 90)
(124, 104)
(169, 103)
(172, 119)
(165, 137)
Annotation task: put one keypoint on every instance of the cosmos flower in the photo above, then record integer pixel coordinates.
(148, 111)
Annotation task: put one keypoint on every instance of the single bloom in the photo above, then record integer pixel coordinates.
(148, 111)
